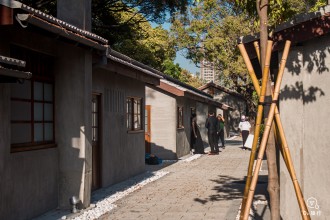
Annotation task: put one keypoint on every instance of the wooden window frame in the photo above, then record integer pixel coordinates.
(131, 113)
(42, 73)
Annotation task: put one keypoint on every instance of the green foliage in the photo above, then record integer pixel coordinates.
(209, 31)
(47, 6)
(171, 69)
(279, 11)
(125, 23)
(188, 78)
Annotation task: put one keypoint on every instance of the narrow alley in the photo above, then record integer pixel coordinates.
(203, 187)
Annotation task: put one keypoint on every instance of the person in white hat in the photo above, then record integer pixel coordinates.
(244, 126)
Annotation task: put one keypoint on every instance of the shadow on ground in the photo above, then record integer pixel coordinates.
(231, 188)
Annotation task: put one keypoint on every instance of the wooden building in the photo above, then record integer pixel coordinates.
(77, 123)
(169, 107)
(230, 98)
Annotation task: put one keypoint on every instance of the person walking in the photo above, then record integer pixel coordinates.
(197, 143)
(244, 126)
(221, 130)
(211, 124)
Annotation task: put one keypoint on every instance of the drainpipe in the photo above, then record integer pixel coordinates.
(6, 15)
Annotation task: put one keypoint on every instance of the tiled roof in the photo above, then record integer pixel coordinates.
(12, 61)
(206, 96)
(226, 90)
(296, 20)
(12, 71)
(127, 61)
(43, 20)
(63, 24)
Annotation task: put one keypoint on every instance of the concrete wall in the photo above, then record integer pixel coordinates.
(123, 152)
(163, 123)
(73, 95)
(168, 141)
(29, 180)
(304, 101)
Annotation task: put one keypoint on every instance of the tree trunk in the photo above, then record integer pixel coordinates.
(273, 180)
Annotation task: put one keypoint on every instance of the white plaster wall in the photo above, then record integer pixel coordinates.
(304, 108)
(291, 111)
(163, 123)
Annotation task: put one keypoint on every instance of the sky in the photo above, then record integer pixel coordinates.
(180, 59)
(186, 64)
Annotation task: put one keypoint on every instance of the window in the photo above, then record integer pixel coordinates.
(180, 117)
(32, 103)
(134, 114)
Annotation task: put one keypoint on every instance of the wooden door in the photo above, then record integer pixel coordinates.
(96, 157)
(147, 126)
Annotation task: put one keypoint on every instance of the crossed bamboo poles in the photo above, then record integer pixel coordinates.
(273, 112)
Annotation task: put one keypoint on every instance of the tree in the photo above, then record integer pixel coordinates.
(126, 26)
(271, 13)
(209, 31)
(188, 78)
(171, 69)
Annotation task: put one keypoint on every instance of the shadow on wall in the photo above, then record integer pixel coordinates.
(297, 91)
(315, 62)
(230, 188)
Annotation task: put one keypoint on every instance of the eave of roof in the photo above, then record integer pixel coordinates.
(129, 62)
(14, 73)
(58, 30)
(211, 84)
(12, 61)
(178, 90)
(171, 79)
(301, 28)
(11, 68)
(55, 25)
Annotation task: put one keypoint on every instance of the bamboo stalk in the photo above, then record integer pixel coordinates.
(276, 134)
(281, 134)
(259, 116)
(257, 87)
(256, 46)
(302, 205)
(262, 149)
(278, 119)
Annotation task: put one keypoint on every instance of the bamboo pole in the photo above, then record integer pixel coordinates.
(256, 46)
(259, 116)
(302, 205)
(257, 88)
(256, 85)
(286, 152)
(276, 134)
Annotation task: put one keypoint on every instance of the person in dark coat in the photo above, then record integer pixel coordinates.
(197, 143)
(212, 124)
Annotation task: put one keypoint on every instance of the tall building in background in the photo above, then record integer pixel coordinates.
(207, 71)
